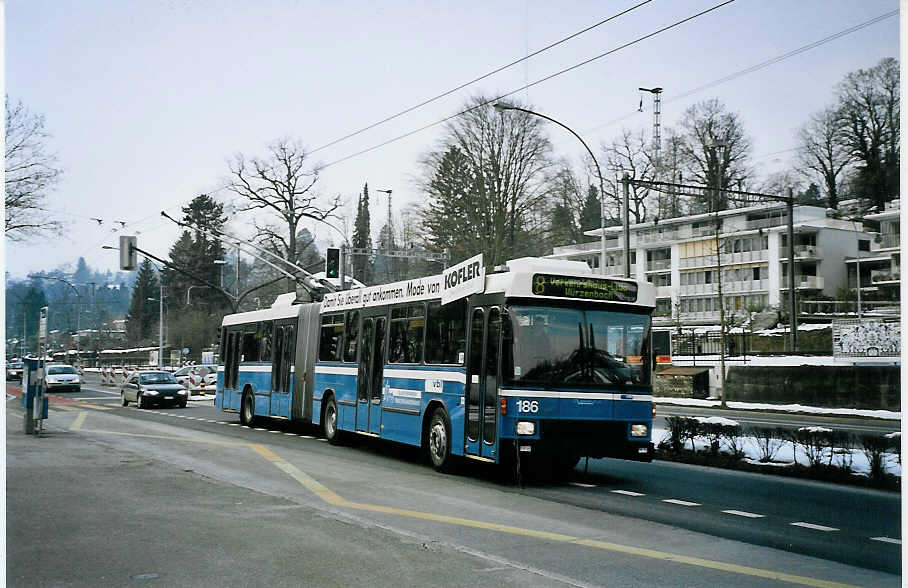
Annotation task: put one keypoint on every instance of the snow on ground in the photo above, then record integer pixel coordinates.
(797, 408)
(788, 455)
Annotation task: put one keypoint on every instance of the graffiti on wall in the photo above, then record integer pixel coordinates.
(866, 338)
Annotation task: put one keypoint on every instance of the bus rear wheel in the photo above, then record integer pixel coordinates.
(329, 422)
(438, 441)
(247, 409)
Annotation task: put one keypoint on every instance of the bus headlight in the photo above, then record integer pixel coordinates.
(639, 430)
(526, 428)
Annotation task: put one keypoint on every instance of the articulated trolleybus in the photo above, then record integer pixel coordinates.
(543, 361)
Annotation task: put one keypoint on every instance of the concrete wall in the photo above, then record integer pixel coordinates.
(867, 387)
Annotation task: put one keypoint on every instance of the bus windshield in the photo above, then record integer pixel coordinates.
(555, 346)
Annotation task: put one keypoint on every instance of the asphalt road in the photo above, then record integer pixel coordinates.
(624, 524)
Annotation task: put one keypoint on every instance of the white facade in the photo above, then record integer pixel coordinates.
(679, 257)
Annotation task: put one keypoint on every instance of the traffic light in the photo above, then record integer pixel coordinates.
(332, 262)
(127, 252)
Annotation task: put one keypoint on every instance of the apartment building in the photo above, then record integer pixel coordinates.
(880, 271)
(678, 256)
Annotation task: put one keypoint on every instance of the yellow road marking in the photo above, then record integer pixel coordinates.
(332, 498)
(329, 496)
(77, 424)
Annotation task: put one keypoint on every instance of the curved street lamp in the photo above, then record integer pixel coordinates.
(627, 266)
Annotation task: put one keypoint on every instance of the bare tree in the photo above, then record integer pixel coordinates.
(282, 186)
(485, 182)
(31, 173)
(632, 154)
(821, 153)
(869, 106)
(714, 149)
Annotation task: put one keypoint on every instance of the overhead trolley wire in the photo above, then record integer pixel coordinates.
(480, 78)
(759, 66)
(530, 85)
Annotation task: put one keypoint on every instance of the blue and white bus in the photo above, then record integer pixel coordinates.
(542, 360)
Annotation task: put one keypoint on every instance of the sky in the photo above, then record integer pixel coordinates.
(147, 101)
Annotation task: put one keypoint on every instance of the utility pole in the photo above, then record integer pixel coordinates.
(657, 125)
(792, 293)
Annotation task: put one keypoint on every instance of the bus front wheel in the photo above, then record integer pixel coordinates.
(439, 441)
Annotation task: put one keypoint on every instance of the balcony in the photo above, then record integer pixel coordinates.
(728, 287)
(886, 276)
(802, 252)
(618, 270)
(765, 223)
(727, 259)
(888, 241)
(658, 264)
(805, 282)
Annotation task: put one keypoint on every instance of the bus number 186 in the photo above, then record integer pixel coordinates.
(527, 406)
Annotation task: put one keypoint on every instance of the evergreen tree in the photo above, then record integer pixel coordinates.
(591, 213)
(143, 313)
(362, 230)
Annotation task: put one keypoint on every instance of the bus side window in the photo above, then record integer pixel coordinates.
(289, 345)
(266, 340)
(406, 340)
(331, 337)
(351, 336)
(249, 350)
(446, 332)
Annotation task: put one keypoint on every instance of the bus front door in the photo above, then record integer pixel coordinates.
(369, 380)
(482, 383)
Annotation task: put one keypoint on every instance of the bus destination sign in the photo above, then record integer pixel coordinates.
(584, 288)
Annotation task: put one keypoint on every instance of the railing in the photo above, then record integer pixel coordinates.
(889, 240)
(838, 307)
(656, 236)
(882, 276)
(727, 259)
(804, 251)
(728, 287)
(765, 223)
(658, 264)
(809, 282)
(618, 270)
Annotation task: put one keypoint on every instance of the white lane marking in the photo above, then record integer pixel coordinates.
(275, 432)
(681, 502)
(582, 485)
(742, 513)
(627, 493)
(323, 440)
(291, 434)
(814, 527)
(258, 429)
(307, 436)
(234, 424)
(887, 540)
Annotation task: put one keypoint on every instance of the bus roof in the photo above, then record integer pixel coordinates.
(564, 280)
(275, 312)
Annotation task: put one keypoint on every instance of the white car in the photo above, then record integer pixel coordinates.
(198, 377)
(62, 377)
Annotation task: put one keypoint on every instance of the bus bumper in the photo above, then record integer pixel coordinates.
(587, 439)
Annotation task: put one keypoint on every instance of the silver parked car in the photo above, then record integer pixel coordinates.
(153, 387)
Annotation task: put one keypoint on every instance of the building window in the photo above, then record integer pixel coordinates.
(863, 244)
